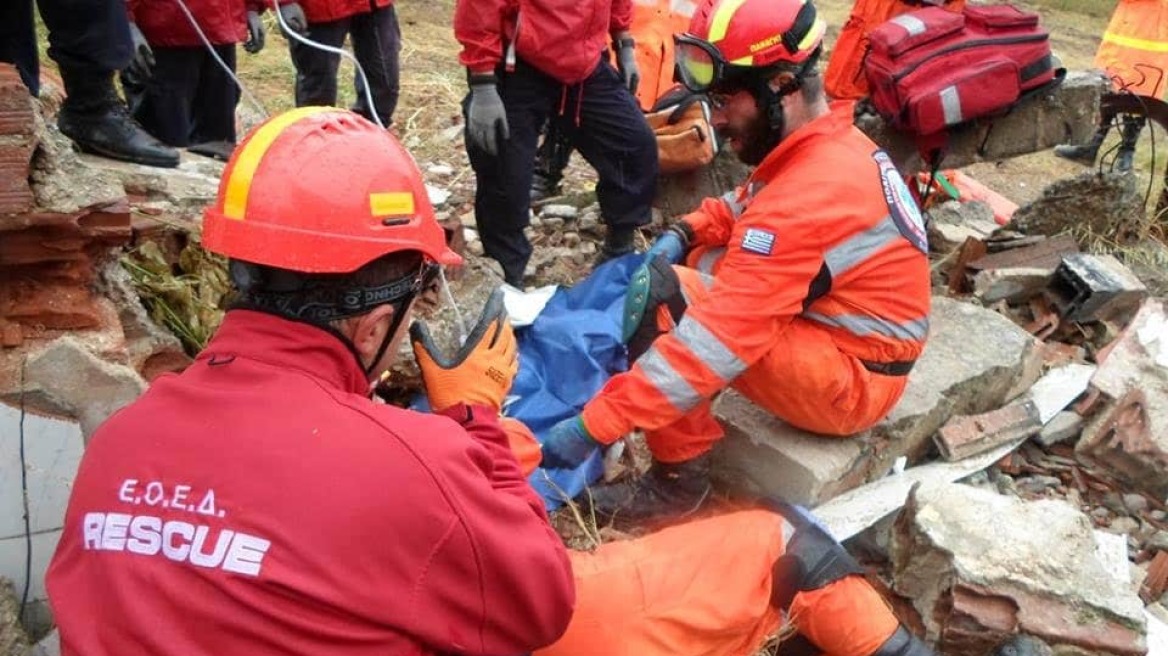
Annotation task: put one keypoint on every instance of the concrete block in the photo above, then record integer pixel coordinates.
(952, 222)
(13, 561)
(53, 450)
(1010, 285)
(761, 454)
(93, 388)
(1088, 287)
(1065, 425)
(1064, 114)
(977, 571)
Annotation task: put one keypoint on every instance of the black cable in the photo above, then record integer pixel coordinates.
(24, 492)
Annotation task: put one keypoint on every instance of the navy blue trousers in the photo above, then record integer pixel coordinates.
(601, 120)
(189, 99)
(91, 37)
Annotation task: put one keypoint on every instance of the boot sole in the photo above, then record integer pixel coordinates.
(122, 157)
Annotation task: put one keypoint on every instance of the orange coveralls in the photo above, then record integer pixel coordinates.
(1134, 51)
(654, 24)
(703, 588)
(820, 281)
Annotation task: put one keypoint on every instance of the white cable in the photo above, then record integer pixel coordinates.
(222, 64)
(336, 51)
(462, 335)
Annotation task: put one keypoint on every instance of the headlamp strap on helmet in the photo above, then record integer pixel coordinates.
(325, 304)
(804, 21)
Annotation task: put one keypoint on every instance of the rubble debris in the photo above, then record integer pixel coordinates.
(978, 571)
(966, 435)
(1129, 435)
(1088, 206)
(1011, 285)
(1088, 287)
(13, 639)
(1064, 426)
(1156, 582)
(1006, 268)
(952, 222)
(18, 140)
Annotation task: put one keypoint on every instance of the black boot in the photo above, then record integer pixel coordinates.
(1129, 136)
(1083, 153)
(666, 490)
(97, 120)
(617, 242)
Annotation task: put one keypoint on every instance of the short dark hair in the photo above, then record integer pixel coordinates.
(325, 298)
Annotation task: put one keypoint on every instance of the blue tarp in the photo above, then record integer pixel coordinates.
(565, 357)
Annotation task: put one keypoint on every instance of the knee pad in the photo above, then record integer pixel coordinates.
(812, 558)
(653, 284)
(903, 643)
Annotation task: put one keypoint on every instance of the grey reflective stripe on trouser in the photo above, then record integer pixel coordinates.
(710, 350)
(911, 24)
(862, 326)
(672, 385)
(862, 246)
(708, 259)
(951, 105)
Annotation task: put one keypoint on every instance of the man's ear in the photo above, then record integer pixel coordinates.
(369, 330)
(781, 79)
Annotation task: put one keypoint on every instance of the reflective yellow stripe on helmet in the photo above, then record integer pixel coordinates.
(817, 30)
(248, 160)
(721, 21)
(1138, 44)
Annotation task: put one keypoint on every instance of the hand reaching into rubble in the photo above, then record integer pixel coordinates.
(480, 373)
(568, 444)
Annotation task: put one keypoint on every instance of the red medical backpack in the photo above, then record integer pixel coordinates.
(931, 69)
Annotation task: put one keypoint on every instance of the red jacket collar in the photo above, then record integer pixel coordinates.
(287, 344)
(838, 119)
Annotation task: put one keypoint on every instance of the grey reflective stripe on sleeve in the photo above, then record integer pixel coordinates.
(709, 349)
(708, 259)
(862, 326)
(788, 532)
(730, 198)
(911, 24)
(672, 385)
(859, 248)
(951, 105)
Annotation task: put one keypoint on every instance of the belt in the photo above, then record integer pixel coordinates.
(898, 368)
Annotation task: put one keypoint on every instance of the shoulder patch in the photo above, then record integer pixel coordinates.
(902, 206)
(758, 241)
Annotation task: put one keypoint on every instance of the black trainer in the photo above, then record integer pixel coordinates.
(97, 120)
(667, 490)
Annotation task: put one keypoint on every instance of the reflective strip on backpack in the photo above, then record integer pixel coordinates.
(951, 105)
(910, 23)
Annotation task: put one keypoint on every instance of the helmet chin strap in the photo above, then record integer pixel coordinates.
(399, 315)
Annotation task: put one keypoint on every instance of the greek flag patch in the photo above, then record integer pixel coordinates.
(758, 241)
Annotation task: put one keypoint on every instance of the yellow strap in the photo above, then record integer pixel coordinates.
(248, 160)
(722, 16)
(1132, 42)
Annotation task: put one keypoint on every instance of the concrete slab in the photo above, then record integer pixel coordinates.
(53, 449)
(13, 555)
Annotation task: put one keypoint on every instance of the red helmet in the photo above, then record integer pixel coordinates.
(747, 34)
(322, 190)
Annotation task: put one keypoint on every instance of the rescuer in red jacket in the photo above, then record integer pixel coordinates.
(175, 87)
(807, 289)
(260, 502)
(529, 61)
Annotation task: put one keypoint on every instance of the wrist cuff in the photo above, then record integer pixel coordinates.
(474, 79)
(683, 230)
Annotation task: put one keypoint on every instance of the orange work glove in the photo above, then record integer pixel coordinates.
(480, 373)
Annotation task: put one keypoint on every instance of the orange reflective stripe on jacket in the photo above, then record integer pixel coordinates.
(654, 24)
(844, 77)
(1134, 51)
(823, 234)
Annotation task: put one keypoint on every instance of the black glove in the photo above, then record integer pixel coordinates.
(294, 16)
(486, 116)
(255, 33)
(626, 63)
(142, 64)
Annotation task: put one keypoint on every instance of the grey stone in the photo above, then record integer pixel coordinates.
(1089, 203)
(1123, 526)
(1135, 503)
(148, 345)
(440, 169)
(49, 645)
(952, 222)
(13, 554)
(976, 569)
(13, 639)
(566, 212)
(52, 453)
(92, 388)
(1009, 284)
(1064, 114)
(1158, 541)
(1159, 515)
(1064, 426)
(763, 454)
